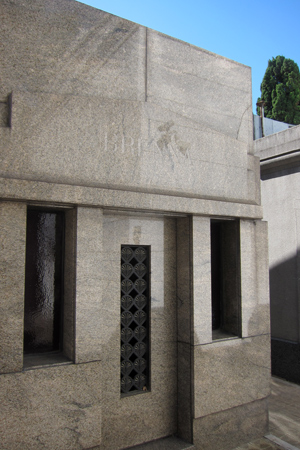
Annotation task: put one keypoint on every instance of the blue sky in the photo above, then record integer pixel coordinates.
(247, 31)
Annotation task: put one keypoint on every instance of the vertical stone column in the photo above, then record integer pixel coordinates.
(202, 323)
(69, 283)
(88, 284)
(184, 327)
(254, 278)
(12, 272)
(193, 309)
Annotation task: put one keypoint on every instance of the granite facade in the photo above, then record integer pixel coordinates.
(149, 415)
(141, 140)
(53, 407)
(13, 239)
(230, 428)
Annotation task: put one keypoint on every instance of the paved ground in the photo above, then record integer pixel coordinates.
(284, 407)
(284, 417)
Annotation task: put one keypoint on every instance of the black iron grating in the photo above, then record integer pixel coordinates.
(135, 294)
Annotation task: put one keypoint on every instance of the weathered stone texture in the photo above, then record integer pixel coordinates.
(89, 313)
(204, 75)
(255, 278)
(67, 194)
(167, 151)
(71, 49)
(231, 373)
(130, 420)
(57, 407)
(202, 330)
(12, 274)
(227, 429)
(114, 101)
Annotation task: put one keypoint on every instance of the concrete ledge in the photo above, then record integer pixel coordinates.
(277, 144)
(70, 195)
(169, 443)
(287, 161)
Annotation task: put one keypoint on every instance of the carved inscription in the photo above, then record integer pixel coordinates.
(164, 141)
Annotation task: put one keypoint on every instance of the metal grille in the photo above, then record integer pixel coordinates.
(135, 294)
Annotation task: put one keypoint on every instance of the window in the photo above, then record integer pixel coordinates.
(225, 278)
(49, 313)
(135, 295)
(43, 281)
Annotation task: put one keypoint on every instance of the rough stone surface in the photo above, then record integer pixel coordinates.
(110, 87)
(52, 193)
(132, 419)
(255, 278)
(69, 283)
(57, 407)
(12, 272)
(89, 255)
(227, 429)
(166, 150)
(202, 328)
(71, 49)
(184, 327)
(200, 73)
(230, 373)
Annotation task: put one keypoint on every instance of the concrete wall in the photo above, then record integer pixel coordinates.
(140, 139)
(270, 126)
(280, 166)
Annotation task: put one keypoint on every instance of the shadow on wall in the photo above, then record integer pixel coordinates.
(284, 305)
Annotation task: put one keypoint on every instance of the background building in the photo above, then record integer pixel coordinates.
(280, 166)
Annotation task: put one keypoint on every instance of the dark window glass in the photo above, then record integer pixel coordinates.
(225, 277)
(216, 275)
(43, 281)
(135, 295)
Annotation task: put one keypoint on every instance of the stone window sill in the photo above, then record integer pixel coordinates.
(220, 335)
(42, 360)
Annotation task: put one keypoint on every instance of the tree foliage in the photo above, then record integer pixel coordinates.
(280, 90)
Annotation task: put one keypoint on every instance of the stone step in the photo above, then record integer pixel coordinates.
(168, 443)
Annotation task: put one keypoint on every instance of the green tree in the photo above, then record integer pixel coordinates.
(280, 90)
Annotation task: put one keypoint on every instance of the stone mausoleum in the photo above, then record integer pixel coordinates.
(134, 269)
